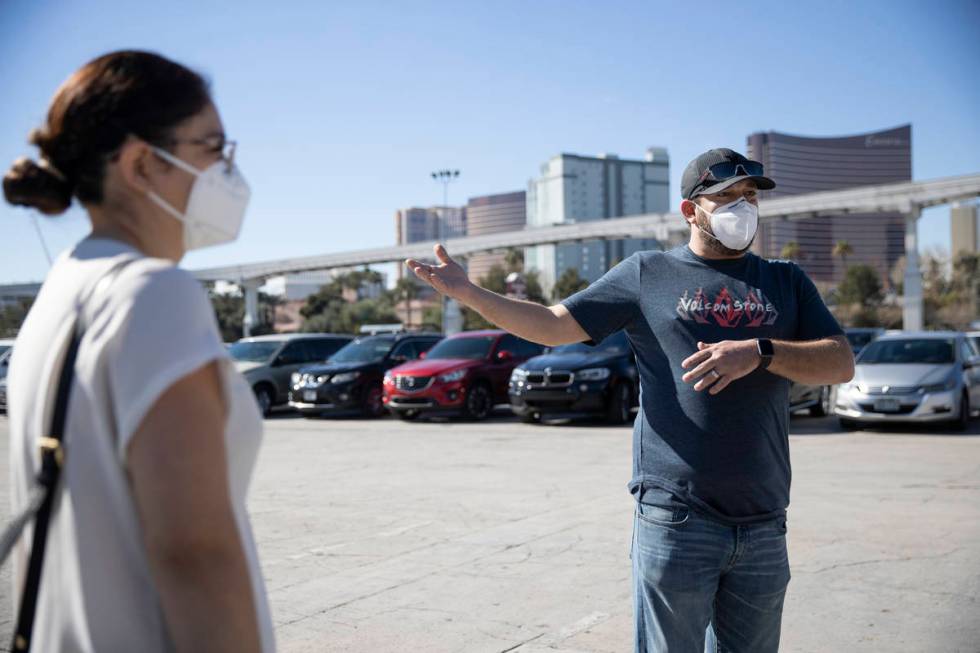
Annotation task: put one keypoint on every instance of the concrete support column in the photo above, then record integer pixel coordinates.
(250, 288)
(452, 316)
(912, 311)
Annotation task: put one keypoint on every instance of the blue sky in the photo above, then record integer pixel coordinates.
(342, 109)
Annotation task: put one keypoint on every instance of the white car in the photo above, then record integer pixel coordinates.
(926, 376)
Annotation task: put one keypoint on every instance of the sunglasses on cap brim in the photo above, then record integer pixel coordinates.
(728, 169)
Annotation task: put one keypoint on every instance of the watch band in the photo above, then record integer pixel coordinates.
(766, 352)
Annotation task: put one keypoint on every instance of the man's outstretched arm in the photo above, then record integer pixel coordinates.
(546, 325)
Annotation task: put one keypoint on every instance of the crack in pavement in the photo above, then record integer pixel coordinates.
(526, 641)
(422, 577)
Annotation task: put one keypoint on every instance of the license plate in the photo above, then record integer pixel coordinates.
(309, 395)
(886, 405)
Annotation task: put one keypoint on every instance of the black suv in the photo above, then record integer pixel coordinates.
(351, 379)
(578, 380)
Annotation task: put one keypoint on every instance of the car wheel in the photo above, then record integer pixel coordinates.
(406, 415)
(963, 422)
(620, 403)
(478, 402)
(848, 424)
(824, 405)
(263, 397)
(373, 406)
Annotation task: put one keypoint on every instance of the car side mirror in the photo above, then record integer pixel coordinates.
(505, 355)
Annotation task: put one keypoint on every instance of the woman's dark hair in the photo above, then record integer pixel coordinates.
(91, 115)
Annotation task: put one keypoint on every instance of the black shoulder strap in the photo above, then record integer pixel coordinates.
(52, 458)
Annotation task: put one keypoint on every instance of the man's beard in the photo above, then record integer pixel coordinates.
(704, 222)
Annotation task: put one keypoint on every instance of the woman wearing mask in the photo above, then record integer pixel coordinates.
(149, 546)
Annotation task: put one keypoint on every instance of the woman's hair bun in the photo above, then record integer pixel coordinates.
(28, 183)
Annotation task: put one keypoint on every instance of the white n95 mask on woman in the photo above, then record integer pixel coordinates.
(216, 205)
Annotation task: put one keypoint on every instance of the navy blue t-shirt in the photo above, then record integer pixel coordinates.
(726, 454)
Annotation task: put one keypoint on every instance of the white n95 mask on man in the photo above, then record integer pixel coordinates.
(216, 205)
(734, 224)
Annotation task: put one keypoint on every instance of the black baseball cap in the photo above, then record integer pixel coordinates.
(717, 169)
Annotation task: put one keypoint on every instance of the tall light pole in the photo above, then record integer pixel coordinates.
(452, 318)
(445, 177)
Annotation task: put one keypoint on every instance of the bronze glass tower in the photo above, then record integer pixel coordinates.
(800, 164)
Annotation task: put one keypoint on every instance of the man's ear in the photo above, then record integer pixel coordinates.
(135, 160)
(688, 210)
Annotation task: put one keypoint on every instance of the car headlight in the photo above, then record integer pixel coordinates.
(593, 374)
(518, 374)
(346, 377)
(322, 379)
(295, 378)
(946, 386)
(855, 387)
(453, 376)
(389, 378)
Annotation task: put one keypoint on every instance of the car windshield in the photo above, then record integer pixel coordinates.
(860, 339)
(975, 341)
(363, 350)
(932, 350)
(614, 344)
(255, 351)
(473, 348)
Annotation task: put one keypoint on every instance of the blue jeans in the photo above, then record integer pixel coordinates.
(700, 585)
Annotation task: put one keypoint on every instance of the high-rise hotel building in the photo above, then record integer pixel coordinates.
(491, 214)
(801, 164)
(574, 188)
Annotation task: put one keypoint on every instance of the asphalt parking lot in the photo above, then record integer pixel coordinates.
(499, 536)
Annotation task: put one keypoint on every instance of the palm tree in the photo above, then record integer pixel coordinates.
(406, 289)
(514, 259)
(791, 251)
(843, 249)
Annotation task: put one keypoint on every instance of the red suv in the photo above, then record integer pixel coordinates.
(466, 374)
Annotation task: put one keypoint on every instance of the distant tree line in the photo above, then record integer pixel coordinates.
(950, 291)
(12, 316)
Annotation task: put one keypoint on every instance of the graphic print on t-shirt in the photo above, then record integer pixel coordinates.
(728, 309)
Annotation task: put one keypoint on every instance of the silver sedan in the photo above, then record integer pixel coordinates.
(930, 376)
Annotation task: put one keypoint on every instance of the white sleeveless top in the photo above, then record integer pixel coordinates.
(151, 326)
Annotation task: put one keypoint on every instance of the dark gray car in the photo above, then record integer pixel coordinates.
(267, 362)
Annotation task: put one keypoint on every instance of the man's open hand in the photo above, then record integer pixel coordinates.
(718, 364)
(449, 278)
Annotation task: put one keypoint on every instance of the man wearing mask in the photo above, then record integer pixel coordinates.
(718, 333)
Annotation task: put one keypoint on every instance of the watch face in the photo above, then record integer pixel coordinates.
(765, 347)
